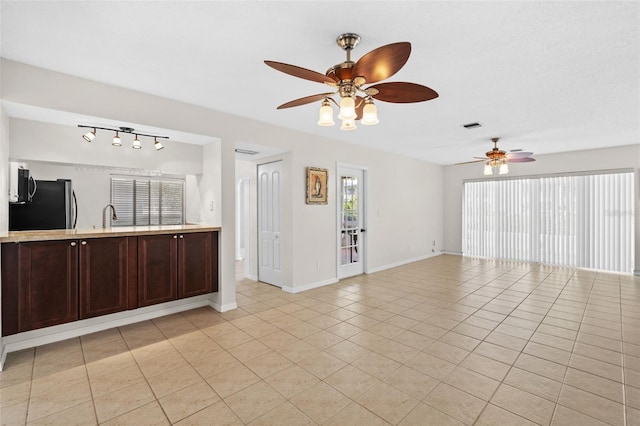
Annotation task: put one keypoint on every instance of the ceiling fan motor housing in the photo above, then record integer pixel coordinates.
(348, 41)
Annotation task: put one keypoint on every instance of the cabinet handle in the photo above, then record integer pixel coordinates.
(84, 243)
(175, 236)
(181, 236)
(73, 243)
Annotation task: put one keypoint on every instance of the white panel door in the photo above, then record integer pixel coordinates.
(270, 223)
(350, 222)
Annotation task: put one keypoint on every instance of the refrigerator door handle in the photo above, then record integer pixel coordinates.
(35, 188)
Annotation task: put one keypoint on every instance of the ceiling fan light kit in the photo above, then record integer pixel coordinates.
(348, 79)
(497, 160)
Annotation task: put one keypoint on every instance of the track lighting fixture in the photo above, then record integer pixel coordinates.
(117, 141)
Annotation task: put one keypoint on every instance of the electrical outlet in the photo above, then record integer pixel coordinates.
(210, 206)
(434, 243)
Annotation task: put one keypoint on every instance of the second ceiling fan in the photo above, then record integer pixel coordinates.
(349, 79)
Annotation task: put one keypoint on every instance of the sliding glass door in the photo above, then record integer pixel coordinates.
(584, 220)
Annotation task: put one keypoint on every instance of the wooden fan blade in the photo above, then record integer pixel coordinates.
(403, 93)
(299, 72)
(519, 154)
(382, 62)
(483, 158)
(305, 100)
(469, 162)
(521, 160)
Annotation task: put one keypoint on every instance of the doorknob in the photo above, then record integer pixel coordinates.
(363, 230)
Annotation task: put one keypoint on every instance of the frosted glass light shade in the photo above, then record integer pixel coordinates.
(487, 169)
(89, 136)
(369, 114)
(157, 145)
(116, 140)
(347, 109)
(504, 169)
(325, 117)
(136, 143)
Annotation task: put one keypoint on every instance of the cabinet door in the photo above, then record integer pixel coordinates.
(157, 269)
(47, 283)
(194, 264)
(105, 265)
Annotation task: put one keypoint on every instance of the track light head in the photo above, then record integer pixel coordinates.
(89, 136)
(116, 140)
(157, 145)
(136, 143)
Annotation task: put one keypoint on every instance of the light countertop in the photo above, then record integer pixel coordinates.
(116, 231)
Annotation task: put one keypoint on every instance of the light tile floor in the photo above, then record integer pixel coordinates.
(448, 340)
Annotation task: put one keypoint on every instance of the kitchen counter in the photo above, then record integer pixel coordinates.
(119, 231)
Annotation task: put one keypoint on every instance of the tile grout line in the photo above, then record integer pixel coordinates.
(525, 345)
(573, 345)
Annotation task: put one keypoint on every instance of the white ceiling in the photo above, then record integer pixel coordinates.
(544, 76)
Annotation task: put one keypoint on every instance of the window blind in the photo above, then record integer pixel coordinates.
(147, 201)
(582, 221)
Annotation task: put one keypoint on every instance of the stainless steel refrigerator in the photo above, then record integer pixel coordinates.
(53, 206)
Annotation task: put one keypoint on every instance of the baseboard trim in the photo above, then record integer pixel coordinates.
(399, 263)
(223, 308)
(56, 333)
(309, 286)
(251, 277)
(453, 253)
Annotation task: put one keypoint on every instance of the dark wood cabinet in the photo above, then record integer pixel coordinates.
(197, 264)
(107, 275)
(47, 283)
(157, 269)
(40, 284)
(176, 266)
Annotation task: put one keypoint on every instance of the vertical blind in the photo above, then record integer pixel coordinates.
(147, 201)
(584, 221)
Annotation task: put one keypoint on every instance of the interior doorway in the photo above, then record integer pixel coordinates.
(351, 221)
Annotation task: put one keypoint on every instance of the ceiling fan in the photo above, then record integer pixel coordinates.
(498, 159)
(348, 79)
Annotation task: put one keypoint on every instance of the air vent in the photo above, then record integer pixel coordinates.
(471, 125)
(246, 151)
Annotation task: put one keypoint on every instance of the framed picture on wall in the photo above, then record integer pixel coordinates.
(316, 185)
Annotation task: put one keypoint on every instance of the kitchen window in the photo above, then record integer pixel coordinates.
(147, 201)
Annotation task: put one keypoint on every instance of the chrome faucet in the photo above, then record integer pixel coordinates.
(114, 216)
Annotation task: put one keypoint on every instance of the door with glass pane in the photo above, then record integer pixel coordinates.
(270, 223)
(351, 228)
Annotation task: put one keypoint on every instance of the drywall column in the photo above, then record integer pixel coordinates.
(227, 284)
(4, 198)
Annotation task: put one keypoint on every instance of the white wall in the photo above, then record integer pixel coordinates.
(597, 159)
(54, 143)
(4, 196)
(404, 193)
(5, 125)
(53, 151)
